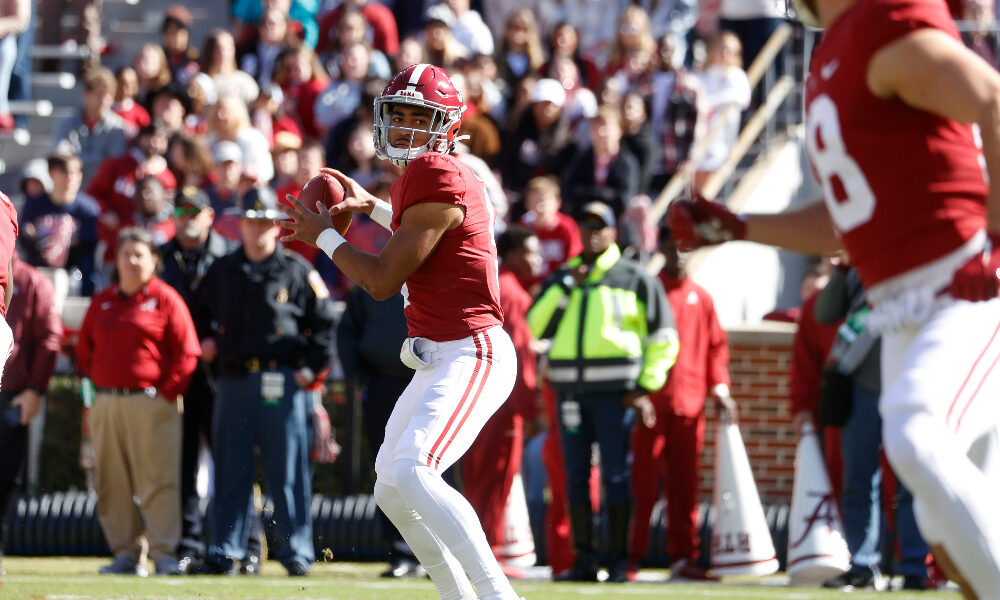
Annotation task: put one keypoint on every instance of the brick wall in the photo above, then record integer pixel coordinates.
(760, 356)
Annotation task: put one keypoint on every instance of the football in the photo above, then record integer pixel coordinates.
(326, 189)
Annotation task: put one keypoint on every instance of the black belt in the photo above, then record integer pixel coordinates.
(253, 364)
(149, 391)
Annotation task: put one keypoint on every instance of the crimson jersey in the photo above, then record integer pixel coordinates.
(557, 243)
(904, 187)
(8, 235)
(455, 293)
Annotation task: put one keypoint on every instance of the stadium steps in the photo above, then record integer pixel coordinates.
(127, 26)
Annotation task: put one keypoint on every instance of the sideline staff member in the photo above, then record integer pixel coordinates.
(138, 345)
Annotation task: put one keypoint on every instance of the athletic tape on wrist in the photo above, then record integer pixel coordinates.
(382, 214)
(329, 241)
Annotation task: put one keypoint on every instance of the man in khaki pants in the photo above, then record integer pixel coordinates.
(138, 345)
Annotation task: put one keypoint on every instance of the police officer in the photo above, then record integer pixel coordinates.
(186, 258)
(272, 327)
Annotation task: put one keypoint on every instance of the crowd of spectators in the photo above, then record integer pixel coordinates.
(610, 107)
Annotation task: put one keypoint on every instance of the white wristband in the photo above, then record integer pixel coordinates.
(329, 241)
(382, 214)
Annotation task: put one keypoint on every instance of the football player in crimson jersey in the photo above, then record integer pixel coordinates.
(891, 98)
(443, 257)
(8, 235)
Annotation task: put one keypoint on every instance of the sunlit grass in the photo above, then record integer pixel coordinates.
(73, 578)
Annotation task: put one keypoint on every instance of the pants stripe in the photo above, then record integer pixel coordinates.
(958, 424)
(472, 405)
(465, 396)
(968, 377)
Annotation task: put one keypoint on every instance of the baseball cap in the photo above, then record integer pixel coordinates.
(272, 91)
(179, 14)
(258, 203)
(37, 168)
(227, 151)
(439, 13)
(600, 210)
(286, 140)
(549, 90)
(192, 196)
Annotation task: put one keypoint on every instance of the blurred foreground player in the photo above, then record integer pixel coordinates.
(890, 101)
(8, 235)
(443, 258)
(38, 331)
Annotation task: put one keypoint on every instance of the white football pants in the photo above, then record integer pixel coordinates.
(940, 407)
(434, 422)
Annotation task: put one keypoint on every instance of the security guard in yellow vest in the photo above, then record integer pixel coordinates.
(613, 342)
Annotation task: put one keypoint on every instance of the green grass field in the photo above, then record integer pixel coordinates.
(73, 578)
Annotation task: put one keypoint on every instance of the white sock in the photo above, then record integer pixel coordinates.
(452, 519)
(444, 570)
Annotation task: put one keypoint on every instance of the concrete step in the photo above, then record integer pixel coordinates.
(45, 125)
(67, 51)
(32, 108)
(127, 28)
(57, 95)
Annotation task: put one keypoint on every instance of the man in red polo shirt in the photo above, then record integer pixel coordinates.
(138, 345)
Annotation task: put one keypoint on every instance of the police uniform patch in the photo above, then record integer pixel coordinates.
(318, 285)
(282, 296)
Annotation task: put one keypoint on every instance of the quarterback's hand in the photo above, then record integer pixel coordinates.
(977, 280)
(305, 224)
(356, 198)
(699, 222)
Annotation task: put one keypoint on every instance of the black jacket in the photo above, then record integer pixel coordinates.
(369, 336)
(278, 311)
(183, 269)
(578, 187)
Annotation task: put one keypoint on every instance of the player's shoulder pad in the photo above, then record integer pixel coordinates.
(897, 17)
(433, 162)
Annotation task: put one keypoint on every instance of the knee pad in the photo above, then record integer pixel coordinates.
(389, 499)
(925, 523)
(407, 479)
(906, 439)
